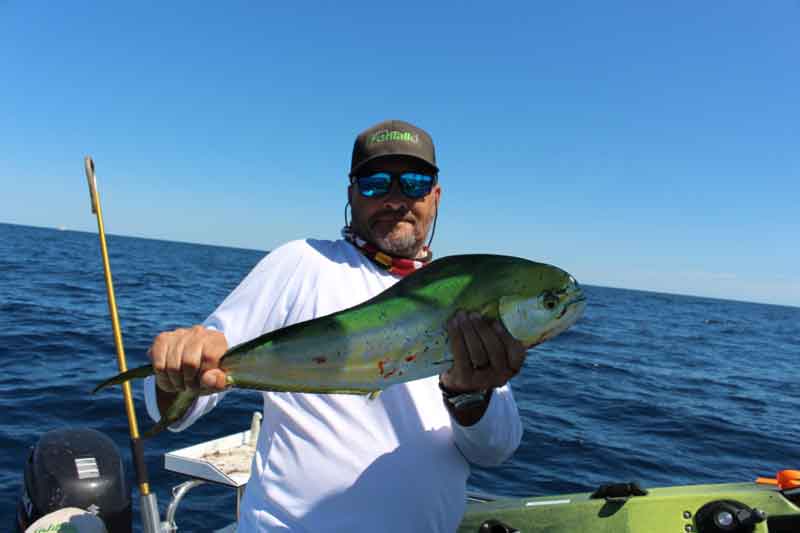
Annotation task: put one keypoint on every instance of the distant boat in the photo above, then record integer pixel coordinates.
(62, 228)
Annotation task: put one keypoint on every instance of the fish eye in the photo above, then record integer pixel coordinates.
(549, 300)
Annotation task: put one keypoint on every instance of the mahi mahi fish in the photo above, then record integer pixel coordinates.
(399, 335)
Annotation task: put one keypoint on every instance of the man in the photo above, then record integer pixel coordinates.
(341, 462)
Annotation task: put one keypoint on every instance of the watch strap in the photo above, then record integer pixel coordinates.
(464, 400)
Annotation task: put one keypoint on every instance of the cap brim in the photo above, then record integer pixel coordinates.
(378, 156)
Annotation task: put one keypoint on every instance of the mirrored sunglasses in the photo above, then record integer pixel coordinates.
(413, 184)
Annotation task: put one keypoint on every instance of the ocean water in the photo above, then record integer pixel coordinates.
(658, 388)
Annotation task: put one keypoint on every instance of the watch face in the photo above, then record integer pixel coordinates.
(466, 400)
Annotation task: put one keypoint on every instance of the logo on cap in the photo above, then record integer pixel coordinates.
(394, 135)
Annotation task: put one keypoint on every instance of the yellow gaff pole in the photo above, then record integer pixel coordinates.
(150, 517)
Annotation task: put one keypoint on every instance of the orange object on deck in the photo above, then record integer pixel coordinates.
(785, 480)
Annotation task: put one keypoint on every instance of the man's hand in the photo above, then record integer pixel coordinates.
(188, 359)
(485, 355)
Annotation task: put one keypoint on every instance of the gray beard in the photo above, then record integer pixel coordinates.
(403, 246)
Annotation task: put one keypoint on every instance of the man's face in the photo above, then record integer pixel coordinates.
(396, 224)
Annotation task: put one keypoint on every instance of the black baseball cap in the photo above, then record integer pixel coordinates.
(392, 137)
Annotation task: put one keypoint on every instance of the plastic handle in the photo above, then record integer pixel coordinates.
(784, 480)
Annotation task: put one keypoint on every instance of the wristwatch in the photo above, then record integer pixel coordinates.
(464, 400)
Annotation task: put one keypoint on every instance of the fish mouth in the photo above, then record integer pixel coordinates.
(570, 313)
(578, 300)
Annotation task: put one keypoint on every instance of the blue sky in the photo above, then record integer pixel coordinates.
(649, 145)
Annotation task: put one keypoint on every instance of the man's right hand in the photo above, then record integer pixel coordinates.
(188, 359)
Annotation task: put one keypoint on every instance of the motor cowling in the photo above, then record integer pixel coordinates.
(75, 467)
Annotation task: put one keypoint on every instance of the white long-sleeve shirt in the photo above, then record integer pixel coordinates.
(337, 462)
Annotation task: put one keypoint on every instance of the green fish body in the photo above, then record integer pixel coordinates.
(399, 335)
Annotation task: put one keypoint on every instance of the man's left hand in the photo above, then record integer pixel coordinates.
(485, 355)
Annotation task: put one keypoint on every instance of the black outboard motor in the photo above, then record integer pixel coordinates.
(75, 468)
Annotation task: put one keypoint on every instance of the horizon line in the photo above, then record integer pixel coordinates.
(614, 287)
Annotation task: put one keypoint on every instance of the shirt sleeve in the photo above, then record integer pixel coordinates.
(262, 302)
(496, 436)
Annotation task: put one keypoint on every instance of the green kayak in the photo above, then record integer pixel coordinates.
(728, 508)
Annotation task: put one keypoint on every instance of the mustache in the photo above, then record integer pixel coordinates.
(397, 215)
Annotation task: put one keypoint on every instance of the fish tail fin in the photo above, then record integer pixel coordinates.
(155, 430)
(176, 410)
(135, 373)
